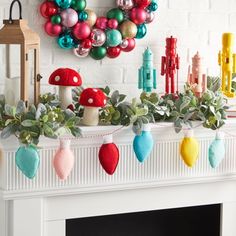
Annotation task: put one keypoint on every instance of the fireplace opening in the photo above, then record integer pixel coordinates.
(189, 221)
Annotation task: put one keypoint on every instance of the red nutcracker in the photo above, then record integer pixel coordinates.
(170, 66)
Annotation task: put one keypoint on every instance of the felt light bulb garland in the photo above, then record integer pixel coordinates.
(143, 143)
(189, 148)
(216, 151)
(63, 160)
(27, 160)
(109, 155)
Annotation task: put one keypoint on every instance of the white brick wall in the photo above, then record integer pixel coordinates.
(198, 25)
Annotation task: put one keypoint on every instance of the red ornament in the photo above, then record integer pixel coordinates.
(48, 9)
(52, 30)
(112, 23)
(143, 3)
(138, 15)
(109, 155)
(101, 23)
(87, 44)
(131, 45)
(170, 65)
(81, 30)
(113, 52)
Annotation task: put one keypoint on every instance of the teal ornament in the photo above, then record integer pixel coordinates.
(153, 6)
(65, 41)
(83, 16)
(143, 144)
(113, 38)
(216, 151)
(27, 160)
(63, 3)
(142, 31)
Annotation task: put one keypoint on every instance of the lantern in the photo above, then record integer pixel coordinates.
(17, 32)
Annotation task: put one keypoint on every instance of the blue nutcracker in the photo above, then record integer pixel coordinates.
(147, 73)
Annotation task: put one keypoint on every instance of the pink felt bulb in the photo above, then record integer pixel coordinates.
(69, 17)
(63, 161)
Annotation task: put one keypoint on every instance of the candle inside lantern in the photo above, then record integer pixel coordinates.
(12, 90)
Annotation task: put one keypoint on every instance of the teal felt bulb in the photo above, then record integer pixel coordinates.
(27, 160)
(113, 38)
(216, 152)
(142, 31)
(83, 16)
(63, 3)
(143, 145)
(65, 41)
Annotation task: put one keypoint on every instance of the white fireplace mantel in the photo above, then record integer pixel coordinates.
(41, 206)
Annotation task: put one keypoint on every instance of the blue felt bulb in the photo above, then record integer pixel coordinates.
(27, 160)
(216, 152)
(143, 145)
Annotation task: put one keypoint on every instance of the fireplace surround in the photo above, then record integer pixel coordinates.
(41, 207)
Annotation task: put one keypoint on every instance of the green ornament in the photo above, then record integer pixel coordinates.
(98, 53)
(117, 14)
(56, 19)
(78, 5)
(153, 6)
(83, 16)
(142, 31)
(63, 3)
(114, 37)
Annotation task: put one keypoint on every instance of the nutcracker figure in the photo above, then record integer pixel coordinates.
(170, 65)
(227, 61)
(197, 80)
(147, 73)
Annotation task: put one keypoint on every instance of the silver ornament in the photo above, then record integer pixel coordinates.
(150, 17)
(81, 52)
(125, 4)
(98, 37)
(124, 43)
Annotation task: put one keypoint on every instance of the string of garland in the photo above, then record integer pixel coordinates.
(49, 120)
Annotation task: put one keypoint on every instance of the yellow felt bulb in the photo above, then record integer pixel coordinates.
(189, 149)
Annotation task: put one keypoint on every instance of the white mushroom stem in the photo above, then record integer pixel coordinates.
(65, 96)
(91, 116)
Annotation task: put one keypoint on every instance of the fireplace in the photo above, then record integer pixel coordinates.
(189, 221)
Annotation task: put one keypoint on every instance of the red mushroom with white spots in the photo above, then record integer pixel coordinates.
(92, 99)
(65, 78)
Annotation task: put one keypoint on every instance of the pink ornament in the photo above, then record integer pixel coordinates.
(48, 9)
(81, 30)
(98, 37)
(138, 15)
(52, 30)
(101, 22)
(130, 45)
(63, 161)
(69, 17)
(150, 17)
(112, 23)
(125, 4)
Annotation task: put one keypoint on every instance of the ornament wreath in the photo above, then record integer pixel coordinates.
(80, 29)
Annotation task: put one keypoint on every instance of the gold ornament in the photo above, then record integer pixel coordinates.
(92, 17)
(128, 29)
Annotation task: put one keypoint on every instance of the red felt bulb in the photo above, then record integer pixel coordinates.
(48, 9)
(143, 3)
(113, 52)
(109, 155)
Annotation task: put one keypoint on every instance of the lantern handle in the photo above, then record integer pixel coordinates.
(20, 10)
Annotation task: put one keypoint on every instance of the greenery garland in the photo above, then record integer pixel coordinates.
(49, 120)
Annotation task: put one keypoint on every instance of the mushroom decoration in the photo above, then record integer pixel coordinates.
(65, 78)
(92, 99)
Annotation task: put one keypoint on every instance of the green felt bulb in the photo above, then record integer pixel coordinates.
(117, 14)
(98, 53)
(78, 5)
(56, 19)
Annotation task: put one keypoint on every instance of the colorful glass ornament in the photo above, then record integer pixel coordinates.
(113, 52)
(142, 31)
(27, 160)
(125, 5)
(117, 14)
(143, 3)
(63, 160)
(69, 17)
(92, 17)
(143, 144)
(153, 6)
(63, 3)
(113, 37)
(189, 148)
(52, 30)
(98, 37)
(216, 151)
(81, 30)
(48, 9)
(112, 24)
(101, 23)
(109, 155)
(98, 53)
(56, 19)
(65, 41)
(78, 5)
(128, 29)
(138, 15)
(83, 16)
(128, 45)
